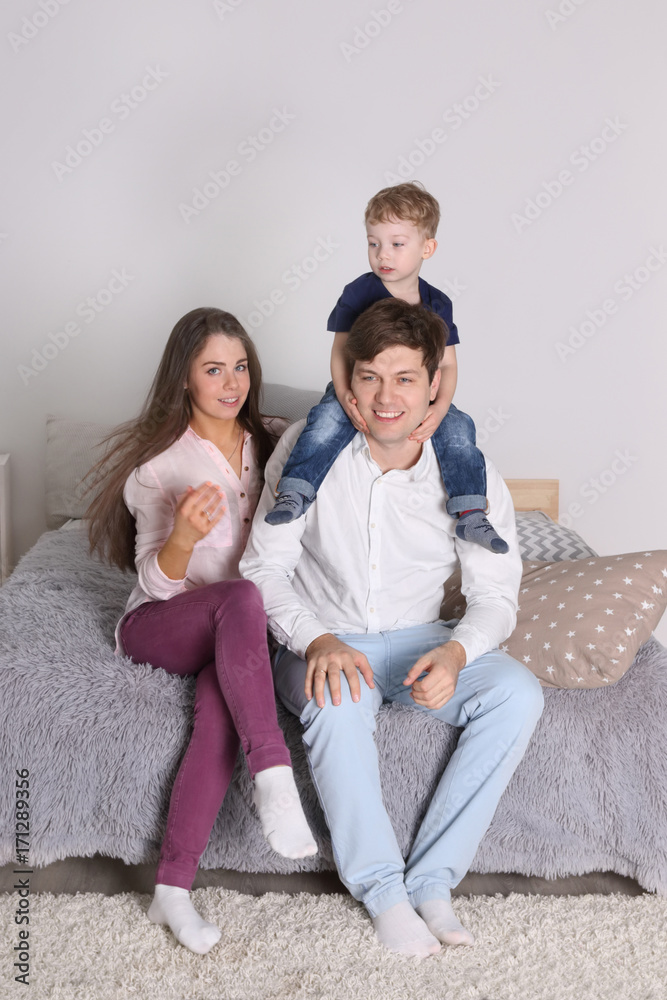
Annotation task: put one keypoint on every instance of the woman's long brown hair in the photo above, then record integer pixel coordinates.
(163, 419)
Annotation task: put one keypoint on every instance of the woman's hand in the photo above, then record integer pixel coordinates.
(196, 513)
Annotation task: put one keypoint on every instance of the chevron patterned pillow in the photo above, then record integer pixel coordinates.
(545, 540)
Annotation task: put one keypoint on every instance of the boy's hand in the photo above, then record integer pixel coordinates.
(349, 404)
(428, 426)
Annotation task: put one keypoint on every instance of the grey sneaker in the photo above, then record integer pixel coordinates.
(288, 507)
(474, 527)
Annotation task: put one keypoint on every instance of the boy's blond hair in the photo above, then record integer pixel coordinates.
(410, 202)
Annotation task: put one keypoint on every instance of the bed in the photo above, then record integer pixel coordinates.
(101, 737)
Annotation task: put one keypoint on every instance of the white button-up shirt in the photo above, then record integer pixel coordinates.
(373, 552)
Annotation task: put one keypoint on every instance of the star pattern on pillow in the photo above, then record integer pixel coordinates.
(581, 622)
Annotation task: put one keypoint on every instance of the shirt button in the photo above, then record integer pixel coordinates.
(246, 520)
(245, 468)
(373, 566)
(242, 495)
(373, 525)
(372, 610)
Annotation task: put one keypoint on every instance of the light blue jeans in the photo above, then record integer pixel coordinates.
(497, 702)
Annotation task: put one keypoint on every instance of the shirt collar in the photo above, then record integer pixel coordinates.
(418, 471)
(189, 431)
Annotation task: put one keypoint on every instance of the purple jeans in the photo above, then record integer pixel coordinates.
(217, 632)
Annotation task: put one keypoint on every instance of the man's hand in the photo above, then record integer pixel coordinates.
(442, 666)
(327, 656)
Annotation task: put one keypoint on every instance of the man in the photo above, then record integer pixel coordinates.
(354, 589)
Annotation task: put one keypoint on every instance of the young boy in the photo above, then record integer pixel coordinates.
(401, 223)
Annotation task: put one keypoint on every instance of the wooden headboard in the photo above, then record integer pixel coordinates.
(535, 494)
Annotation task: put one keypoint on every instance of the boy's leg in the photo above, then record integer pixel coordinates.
(463, 472)
(321, 441)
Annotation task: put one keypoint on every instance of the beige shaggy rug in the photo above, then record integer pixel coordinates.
(279, 947)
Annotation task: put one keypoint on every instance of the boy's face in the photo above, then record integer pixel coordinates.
(396, 250)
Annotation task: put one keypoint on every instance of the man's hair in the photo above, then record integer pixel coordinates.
(394, 323)
(408, 202)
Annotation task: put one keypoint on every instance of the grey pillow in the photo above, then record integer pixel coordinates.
(285, 401)
(543, 540)
(72, 448)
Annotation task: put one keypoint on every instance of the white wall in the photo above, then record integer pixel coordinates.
(353, 105)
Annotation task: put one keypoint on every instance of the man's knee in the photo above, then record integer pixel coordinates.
(346, 717)
(522, 689)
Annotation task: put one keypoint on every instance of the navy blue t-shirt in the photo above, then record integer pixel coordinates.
(362, 293)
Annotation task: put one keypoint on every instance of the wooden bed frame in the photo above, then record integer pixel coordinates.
(535, 494)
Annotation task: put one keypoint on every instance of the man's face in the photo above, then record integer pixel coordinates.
(393, 393)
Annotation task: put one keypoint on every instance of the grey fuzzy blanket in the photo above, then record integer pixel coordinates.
(102, 738)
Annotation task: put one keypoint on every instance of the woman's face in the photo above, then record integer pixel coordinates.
(219, 380)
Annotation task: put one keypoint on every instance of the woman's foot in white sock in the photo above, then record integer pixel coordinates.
(439, 917)
(171, 906)
(401, 930)
(279, 806)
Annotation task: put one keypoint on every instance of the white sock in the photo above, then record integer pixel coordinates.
(401, 930)
(171, 905)
(438, 915)
(279, 806)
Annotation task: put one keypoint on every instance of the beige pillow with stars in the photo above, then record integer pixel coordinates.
(581, 621)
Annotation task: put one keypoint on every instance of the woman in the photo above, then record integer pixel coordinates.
(179, 488)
